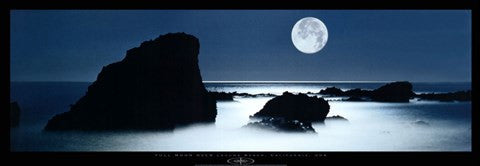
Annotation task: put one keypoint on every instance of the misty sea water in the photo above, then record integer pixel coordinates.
(371, 126)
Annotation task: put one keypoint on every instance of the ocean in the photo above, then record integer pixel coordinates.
(371, 126)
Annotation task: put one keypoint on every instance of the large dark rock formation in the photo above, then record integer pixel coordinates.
(291, 113)
(14, 114)
(282, 125)
(157, 86)
(295, 107)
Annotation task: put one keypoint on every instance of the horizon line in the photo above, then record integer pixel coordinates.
(288, 81)
(291, 81)
(329, 81)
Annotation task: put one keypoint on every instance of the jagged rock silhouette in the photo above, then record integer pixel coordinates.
(157, 86)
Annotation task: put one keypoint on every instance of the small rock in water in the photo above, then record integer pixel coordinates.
(337, 118)
(332, 91)
(385, 132)
(421, 123)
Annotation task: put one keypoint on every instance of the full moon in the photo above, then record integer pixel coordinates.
(309, 35)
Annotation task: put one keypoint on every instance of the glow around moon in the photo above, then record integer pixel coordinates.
(309, 35)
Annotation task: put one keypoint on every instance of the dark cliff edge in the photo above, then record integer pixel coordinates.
(157, 86)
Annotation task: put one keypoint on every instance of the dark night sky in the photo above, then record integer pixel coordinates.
(363, 45)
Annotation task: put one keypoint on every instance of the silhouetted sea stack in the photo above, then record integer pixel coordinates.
(14, 114)
(295, 107)
(157, 86)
